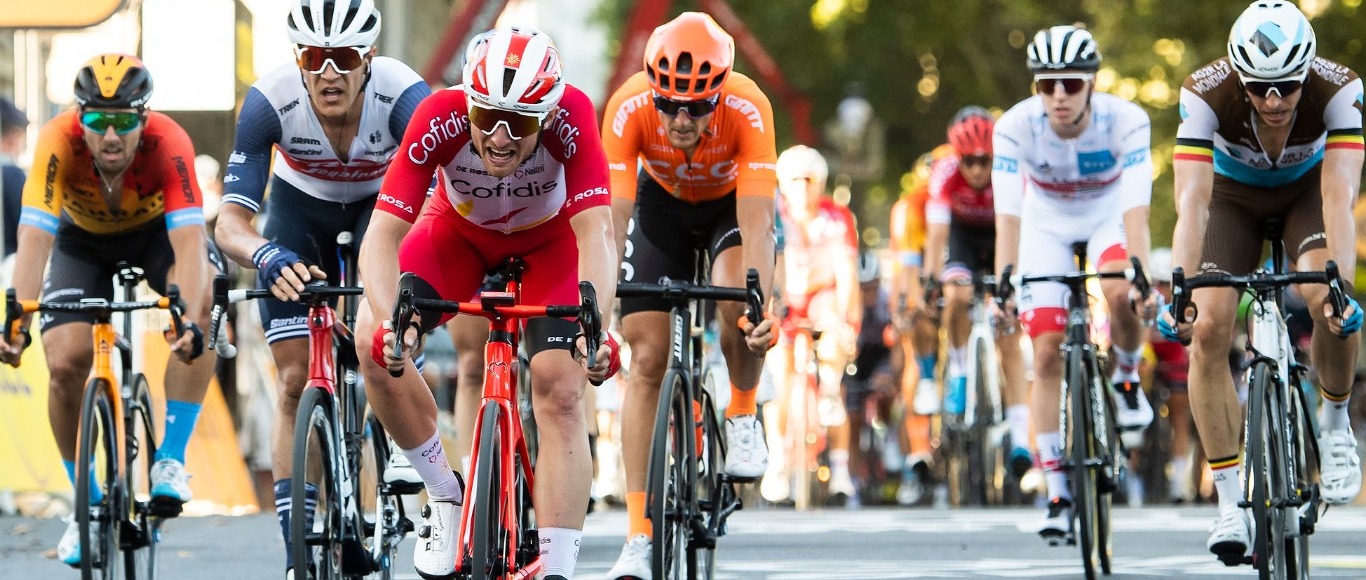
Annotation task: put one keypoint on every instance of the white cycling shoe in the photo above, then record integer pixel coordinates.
(1229, 536)
(1339, 466)
(435, 550)
(634, 562)
(746, 450)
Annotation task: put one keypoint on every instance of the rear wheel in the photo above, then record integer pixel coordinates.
(488, 558)
(1107, 473)
(1082, 451)
(97, 475)
(381, 511)
(984, 464)
(1302, 519)
(140, 545)
(669, 478)
(315, 526)
(715, 494)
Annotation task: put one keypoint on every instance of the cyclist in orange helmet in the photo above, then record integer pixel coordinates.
(703, 134)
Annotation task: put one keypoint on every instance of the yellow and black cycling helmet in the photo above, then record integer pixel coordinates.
(114, 81)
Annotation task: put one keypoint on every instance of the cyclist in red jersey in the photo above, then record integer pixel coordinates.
(117, 184)
(703, 135)
(960, 243)
(520, 173)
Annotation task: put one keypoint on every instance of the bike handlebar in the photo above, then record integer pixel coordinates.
(678, 292)
(1181, 286)
(15, 310)
(314, 293)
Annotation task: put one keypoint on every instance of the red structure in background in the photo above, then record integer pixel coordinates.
(645, 16)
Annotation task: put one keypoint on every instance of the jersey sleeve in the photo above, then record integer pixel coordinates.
(573, 137)
(1008, 142)
(258, 130)
(621, 139)
(1195, 134)
(44, 190)
(184, 203)
(1133, 139)
(938, 209)
(903, 239)
(1343, 117)
(438, 128)
(757, 153)
(405, 105)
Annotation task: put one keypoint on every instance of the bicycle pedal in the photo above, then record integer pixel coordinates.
(165, 507)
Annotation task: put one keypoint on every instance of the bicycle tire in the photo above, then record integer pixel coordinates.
(381, 511)
(714, 494)
(801, 424)
(140, 550)
(1261, 487)
(982, 450)
(668, 480)
(1085, 492)
(1107, 477)
(489, 544)
(97, 457)
(316, 542)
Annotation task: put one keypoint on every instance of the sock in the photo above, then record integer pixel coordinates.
(429, 459)
(560, 551)
(284, 500)
(742, 402)
(839, 464)
(1333, 412)
(180, 419)
(637, 523)
(1228, 481)
(1126, 365)
(96, 494)
(1050, 457)
(958, 361)
(1180, 476)
(927, 364)
(1017, 417)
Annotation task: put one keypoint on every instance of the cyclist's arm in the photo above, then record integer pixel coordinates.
(936, 238)
(755, 216)
(1008, 183)
(184, 207)
(1007, 242)
(1193, 171)
(244, 180)
(938, 215)
(377, 264)
(597, 258)
(846, 275)
(1341, 175)
(621, 144)
(1136, 181)
(191, 272)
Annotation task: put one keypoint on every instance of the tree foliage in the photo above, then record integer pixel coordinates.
(919, 61)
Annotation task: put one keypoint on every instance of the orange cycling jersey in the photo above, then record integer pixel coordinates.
(736, 152)
(159, 183)
(908, 222)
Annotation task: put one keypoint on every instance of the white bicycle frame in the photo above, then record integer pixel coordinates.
(982, 330)
(1270, 338)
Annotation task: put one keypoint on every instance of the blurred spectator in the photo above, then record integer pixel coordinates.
(13, 128)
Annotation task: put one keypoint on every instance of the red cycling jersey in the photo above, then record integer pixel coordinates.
(953, 200)
(565, 175)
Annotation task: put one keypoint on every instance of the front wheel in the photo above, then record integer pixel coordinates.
(315, 525)
(1082, 451)
(100, 502)
(1261, 475)
(488, 558)
(668, 482)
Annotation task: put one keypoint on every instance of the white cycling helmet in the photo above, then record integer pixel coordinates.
(515, 69)
(800, 161)
(333, 23)
(1271, 41)
(1160, 265)
(1063, 47)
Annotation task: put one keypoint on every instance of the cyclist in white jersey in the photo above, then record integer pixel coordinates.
(334, 121)
(1270, 131)
(1072, 165)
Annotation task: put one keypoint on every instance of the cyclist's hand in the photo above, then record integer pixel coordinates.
(1146, 309)
(1167, 325)
(189, 345)
(382, 346)
(1003, 319)
(283, 272)
(759, 338)
(1349, 323)
(607, 361)
(12, 350)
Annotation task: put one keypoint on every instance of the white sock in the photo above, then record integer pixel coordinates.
(1333, 416)
(429, 459)
(1050, 457)
(1228, 482)
(839, 463)
(1126, 365)
(1180, 476)
(958, 361)
(560, 551)
(1017, 416)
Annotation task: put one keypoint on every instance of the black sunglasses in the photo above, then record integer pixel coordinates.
(1261, 89)
(975, 160)
(1071, 85)
(695, 109)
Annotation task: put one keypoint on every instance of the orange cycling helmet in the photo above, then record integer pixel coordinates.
(689, 58)
(970, 131)
(115, 81)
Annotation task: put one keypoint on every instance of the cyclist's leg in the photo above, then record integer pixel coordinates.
(746, 449)
(1232, 244)
(1333, 357)
(564, 468)
(958, 290)
(1133, 411)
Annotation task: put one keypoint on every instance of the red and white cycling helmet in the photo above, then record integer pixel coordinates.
(515, 69)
